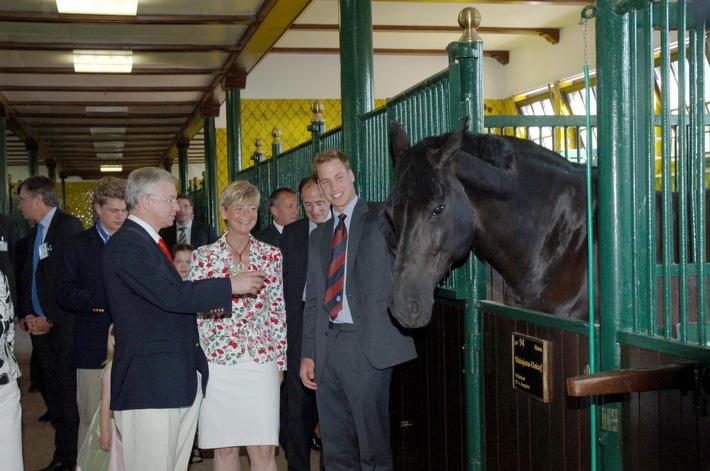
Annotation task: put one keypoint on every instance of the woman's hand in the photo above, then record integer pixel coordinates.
(247, 282)
(105, 441)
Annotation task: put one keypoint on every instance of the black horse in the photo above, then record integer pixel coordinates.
(518, 206)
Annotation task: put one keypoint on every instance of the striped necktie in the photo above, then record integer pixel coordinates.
(182, 237)
(336, 274)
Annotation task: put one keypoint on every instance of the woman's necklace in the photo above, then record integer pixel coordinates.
(240, 266)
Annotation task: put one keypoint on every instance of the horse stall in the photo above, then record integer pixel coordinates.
(498, 385)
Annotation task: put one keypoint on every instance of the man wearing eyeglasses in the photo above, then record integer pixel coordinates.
(159, 371)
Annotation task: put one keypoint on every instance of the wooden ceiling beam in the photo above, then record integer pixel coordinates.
(176, 20)
(206, 48)
(99, 116)
(136, 71)
(90, 89)
(19, 103)
(114, 124)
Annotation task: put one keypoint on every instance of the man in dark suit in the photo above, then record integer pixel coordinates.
(350, 341)
(156, 387)
(80, 290)
(300, 415)
(186, 230)
(283, 205)
(51, 326)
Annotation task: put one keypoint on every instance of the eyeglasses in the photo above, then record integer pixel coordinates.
(170, 201)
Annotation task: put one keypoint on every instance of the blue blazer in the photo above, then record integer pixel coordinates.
(80, 289)
(158, 353)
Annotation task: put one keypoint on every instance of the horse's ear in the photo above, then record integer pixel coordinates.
(455, 142)
(399, 141)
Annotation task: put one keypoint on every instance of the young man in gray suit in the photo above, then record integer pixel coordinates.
(350, 341)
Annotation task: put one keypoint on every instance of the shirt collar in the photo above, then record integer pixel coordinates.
(146, 226)
(102, 232)
(349, 209)
(47, 219)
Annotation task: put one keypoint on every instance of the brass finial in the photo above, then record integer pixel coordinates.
(470, 20)
(258, 143)
(317, 108)
(276, 134)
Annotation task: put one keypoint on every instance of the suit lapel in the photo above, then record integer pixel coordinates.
(326, 245)
(356, 226)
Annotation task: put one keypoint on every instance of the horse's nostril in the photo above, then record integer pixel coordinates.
(414, 309)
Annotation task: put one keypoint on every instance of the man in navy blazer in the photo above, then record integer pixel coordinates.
(350, 348)
(50, 325)
(80, 290)
(196, 233)
(300, 412)
(156, 389)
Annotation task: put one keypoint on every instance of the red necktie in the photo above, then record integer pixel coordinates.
(164, 248)
(333, 302)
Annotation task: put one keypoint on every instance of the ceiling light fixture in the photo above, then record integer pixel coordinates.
(109, 145)
(103, 62)
(102, 7)
(111, 168)
(106, 130)
(121, 110)
(109, 155)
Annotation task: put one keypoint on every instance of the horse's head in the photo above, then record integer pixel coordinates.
(432, 218)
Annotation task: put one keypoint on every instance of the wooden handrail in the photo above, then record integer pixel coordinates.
(674, 376)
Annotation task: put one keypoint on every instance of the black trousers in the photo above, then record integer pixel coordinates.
(53, 352)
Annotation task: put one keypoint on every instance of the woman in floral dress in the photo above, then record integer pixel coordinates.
(246, 351)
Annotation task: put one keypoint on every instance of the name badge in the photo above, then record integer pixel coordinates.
(43, 251)
(3, 246)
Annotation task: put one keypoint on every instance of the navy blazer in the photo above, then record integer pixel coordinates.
(294, 249)
(80, 289)
(60, 230)
(158, 352)
(201, 234)
(368, 282)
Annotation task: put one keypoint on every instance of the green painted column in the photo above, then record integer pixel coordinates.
(4, 190)
(615, 209)
(32, 156)
(356, 76)
(211, 196)
(472, 278)
(183, 146)
(64, 190)
(234, 132)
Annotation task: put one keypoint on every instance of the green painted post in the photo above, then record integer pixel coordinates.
(32, 156)
(356, 77)
(52, 170)
(184, 182)
(615, 210)
(276, 149)
(210, 187)
(234, 132)
(317, 126)
(471, 279)
(4, 190)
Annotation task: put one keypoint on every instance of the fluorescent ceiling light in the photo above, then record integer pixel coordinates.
(106, 145)
(111, 168)
(98, 7)
(109, 155)
(103, 130)
(107, 110)
(103, 61)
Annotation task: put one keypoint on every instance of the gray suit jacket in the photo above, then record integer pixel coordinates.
(369, 279)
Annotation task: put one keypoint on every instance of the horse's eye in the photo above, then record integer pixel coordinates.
(438, 210)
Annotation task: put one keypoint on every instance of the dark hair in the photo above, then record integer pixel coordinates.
(181, 248)
(307, 181)
(39, 185)
(183, 196)
(276, 195)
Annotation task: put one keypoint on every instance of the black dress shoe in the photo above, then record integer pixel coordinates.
(57, 466)
(45, 418)
(316, 444)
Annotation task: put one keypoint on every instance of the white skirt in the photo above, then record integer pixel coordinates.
(241, 406)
